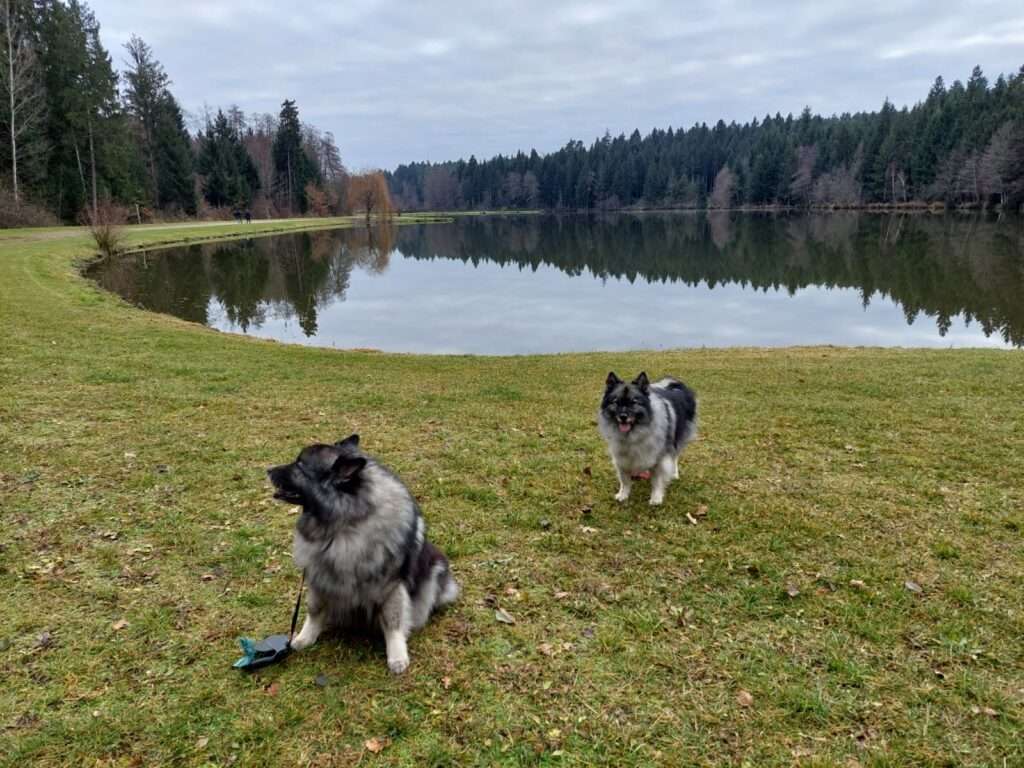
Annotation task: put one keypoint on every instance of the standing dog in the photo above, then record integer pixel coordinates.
(361, 540)
(647, 426)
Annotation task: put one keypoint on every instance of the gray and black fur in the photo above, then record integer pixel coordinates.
(647, 426)
(361, 540)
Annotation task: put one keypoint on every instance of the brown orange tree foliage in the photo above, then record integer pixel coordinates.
(368, 193)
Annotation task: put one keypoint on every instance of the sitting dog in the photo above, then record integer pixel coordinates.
(647, 426)
(361, 540)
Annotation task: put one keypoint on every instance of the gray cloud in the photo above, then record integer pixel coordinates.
(436, 81)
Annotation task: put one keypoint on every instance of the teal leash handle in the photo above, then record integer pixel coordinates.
(271, 649)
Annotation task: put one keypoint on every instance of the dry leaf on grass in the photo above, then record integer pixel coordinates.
(202, 742)
(744, 698)
(121, 624)
(504, 616)
(913, 586)
(375, 745)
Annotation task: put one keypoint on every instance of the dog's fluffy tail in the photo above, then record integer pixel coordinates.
(449, 592)
(669, 383)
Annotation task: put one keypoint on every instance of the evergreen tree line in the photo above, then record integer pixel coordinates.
(77, 135)
(962, 146)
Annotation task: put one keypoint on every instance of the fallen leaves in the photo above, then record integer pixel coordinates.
(588, 529)
(857, 584)
(375, 745)
(987, 711)
(202, 741)
(119, 625)
(913, 586)
(745, 698)
(503, 616)
(549, 649)
(792, 590)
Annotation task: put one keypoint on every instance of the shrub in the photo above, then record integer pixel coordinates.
(23, 213)
(106, 224)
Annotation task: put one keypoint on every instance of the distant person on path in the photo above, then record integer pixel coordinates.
(248, 217)
(238, 216)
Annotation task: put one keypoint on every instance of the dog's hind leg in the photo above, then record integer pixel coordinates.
(396, 621)
(437, 590)
(661, 477)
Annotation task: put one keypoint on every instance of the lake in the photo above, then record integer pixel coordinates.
(530, 284)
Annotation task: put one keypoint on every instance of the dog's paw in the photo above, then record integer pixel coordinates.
(656, 501)
(300, 643)
(399, 665)
(622, 496)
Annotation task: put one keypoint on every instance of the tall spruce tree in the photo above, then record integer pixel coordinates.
(163, 141)
(293, 168)
(229, 176)
(86, 128)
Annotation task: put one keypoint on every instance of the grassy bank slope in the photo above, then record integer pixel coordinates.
(137, 542)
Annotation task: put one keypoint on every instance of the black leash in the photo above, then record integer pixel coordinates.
(298, 602)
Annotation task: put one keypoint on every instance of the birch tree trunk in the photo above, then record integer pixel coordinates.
(10, 33)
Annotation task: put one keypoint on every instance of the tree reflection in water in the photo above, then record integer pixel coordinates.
(939, 266)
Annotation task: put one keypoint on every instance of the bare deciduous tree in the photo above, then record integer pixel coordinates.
(440, 189)
(724, 189)
(803, 176)
(19, 80)
(995, 164)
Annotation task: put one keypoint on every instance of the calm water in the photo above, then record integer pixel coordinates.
(506, 285)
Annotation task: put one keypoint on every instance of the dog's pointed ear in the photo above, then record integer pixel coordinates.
(643, 382)
(612, 381)
(346, 468)
(352, 441)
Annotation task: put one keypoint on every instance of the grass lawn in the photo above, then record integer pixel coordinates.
(849, 591)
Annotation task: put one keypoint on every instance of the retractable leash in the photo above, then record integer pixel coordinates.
(272, 649)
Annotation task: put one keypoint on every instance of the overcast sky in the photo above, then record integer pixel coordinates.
(397, 82)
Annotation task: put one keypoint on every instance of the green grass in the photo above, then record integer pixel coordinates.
(132, 456)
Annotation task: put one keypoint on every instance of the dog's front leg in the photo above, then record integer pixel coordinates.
(396, 621)
(313, 625)
(625, 484)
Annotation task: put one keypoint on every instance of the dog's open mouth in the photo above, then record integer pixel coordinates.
(625, 426)
(287, 496)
